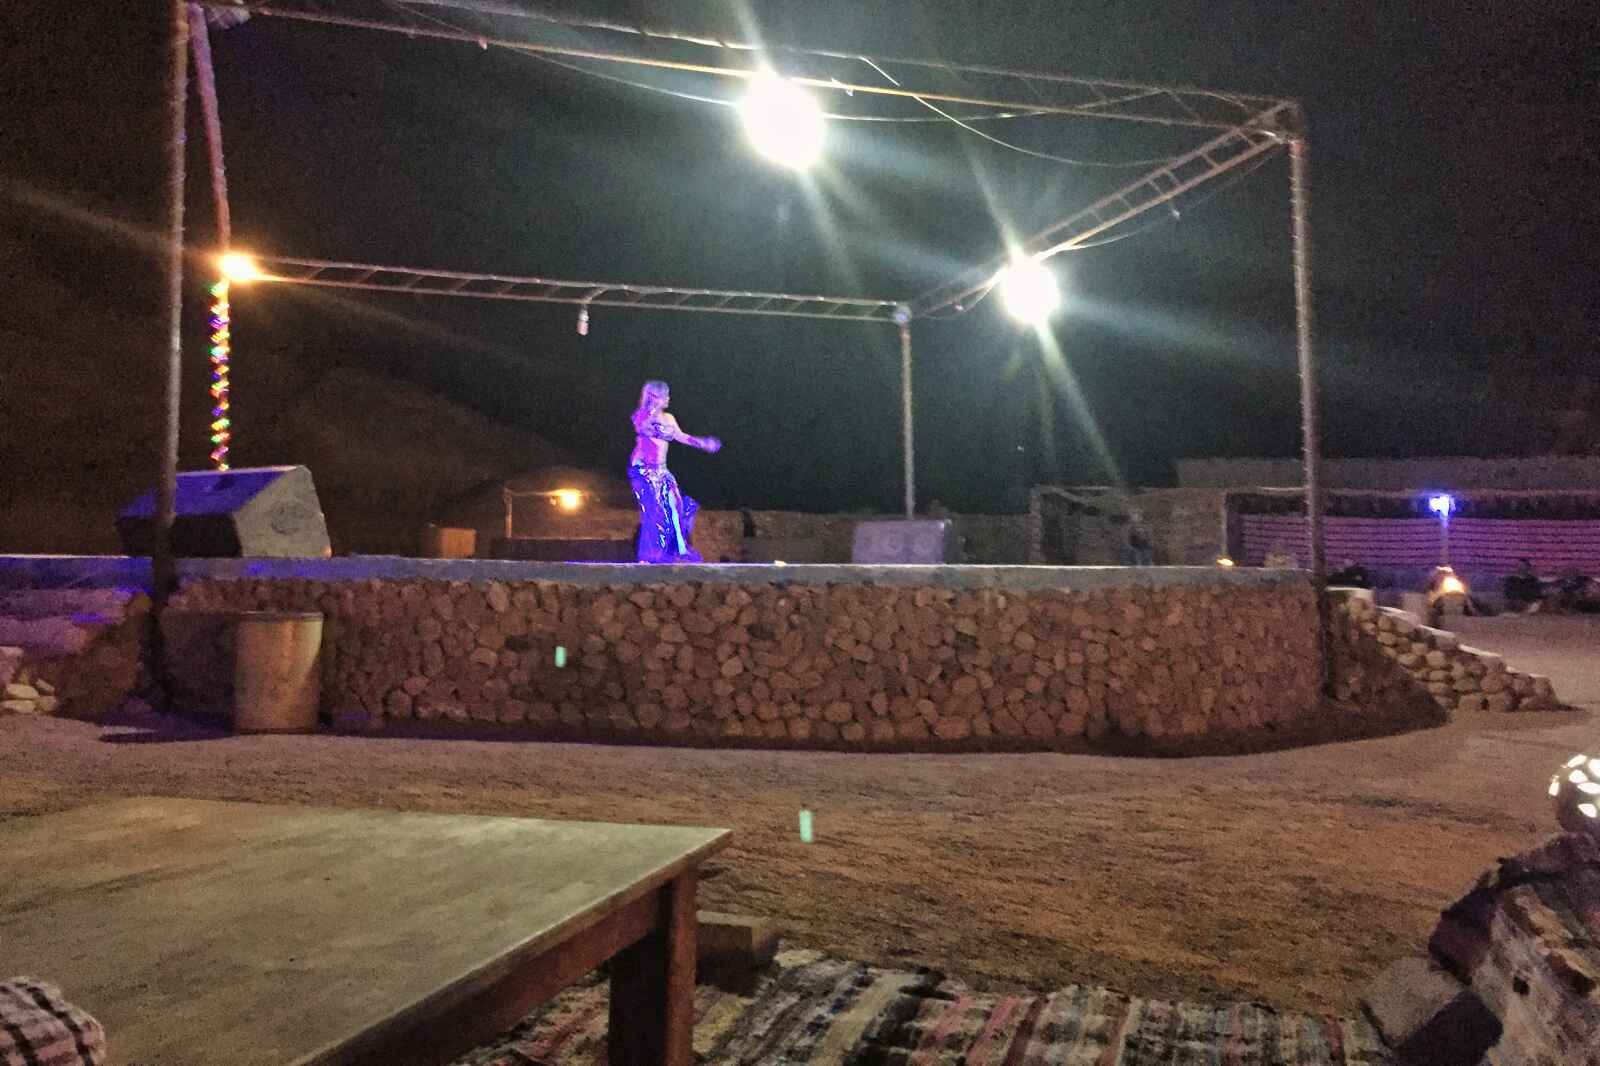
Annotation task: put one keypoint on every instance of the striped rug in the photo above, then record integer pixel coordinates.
(812, 1008)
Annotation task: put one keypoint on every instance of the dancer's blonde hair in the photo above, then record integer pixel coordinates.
(653, 388)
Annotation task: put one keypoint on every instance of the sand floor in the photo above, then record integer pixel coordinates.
(1290, 877)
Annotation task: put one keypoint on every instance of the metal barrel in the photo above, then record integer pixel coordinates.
(277, 681)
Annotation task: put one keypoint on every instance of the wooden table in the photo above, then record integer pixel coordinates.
(206, 932)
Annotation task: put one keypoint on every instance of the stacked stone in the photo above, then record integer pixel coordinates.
(840, 665)
(1524, 940)
(88, 660)
(1384, 649)
(23, 692)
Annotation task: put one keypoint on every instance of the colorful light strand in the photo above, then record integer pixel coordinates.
(221, 347)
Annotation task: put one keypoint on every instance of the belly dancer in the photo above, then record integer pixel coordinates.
(666, 515)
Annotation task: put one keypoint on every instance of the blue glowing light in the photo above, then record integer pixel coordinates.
(1442, 504)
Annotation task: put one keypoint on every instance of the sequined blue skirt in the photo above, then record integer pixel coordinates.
(666, 516)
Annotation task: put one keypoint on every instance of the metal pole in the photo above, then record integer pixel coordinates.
(206, 82)
(906, 443)
(1300, 193)
(163, 570)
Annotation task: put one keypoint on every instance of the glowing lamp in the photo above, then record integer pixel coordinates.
(783, 121)
(1224, 561)
(567, 499)
(1028, 291)
(236, 266)
(1442, 504)
(1451, 585)
(1575, 788)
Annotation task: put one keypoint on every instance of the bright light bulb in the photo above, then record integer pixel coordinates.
(1028, 290)
(236, 266)
(783, 122)
(568, 499)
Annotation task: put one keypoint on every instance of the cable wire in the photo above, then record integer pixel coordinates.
(1017, 147)
(696, 97)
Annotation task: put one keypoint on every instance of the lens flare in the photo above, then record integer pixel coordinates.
(236, 266)
(783, 122)
(1028, 290)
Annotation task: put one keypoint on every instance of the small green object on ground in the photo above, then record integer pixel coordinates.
(561, 656)
(805, 827)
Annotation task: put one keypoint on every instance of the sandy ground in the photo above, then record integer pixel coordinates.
(1290, 877)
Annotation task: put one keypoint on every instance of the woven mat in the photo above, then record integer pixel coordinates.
(812, 1008)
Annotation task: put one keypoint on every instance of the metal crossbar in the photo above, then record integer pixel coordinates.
(423, 281)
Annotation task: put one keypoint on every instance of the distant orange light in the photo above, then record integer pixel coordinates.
(236, 266)
(567, 499)
(1452, 585)
(1225, 561)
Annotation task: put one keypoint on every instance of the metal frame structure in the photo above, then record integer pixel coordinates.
(1246, 127)
(330, 274)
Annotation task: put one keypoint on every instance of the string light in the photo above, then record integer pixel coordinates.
(221, 348)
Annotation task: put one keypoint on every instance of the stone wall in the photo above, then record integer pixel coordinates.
(1384, 654)
(872, 658)
(1088, 527)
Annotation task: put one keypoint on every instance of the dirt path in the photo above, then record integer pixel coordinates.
(1289, 877)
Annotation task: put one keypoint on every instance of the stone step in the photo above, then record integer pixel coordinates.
(731, 948)
(49, 636)
(1426, 1016)
(98, 606)
(10, 662)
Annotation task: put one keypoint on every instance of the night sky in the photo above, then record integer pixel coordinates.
(1454, 164)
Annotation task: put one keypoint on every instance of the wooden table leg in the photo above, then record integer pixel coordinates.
(652, 987)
